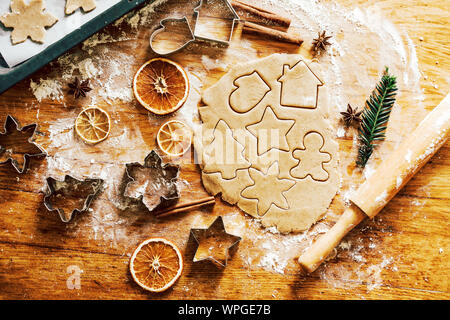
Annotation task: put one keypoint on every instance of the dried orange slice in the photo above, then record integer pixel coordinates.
(174, 138)
(93, 125)
(156, 264)
(161, 86)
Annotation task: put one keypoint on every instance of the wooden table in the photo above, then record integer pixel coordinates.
(402, 254)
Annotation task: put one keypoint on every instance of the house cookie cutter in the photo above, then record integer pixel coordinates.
(54, 186)
(11, 123)
(167, 172)
(194, 37)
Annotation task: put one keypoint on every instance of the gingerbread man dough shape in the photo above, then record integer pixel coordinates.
(263, 182)
(311, 158)
(28, 20)
(73, 5)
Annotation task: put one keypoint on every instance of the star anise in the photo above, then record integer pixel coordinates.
(320, 43)
(79, 88)
(351, 115)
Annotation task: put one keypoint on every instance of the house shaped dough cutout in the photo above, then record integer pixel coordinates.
(299, 86)
(213, 17)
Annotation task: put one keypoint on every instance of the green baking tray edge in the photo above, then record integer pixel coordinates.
(10, 76)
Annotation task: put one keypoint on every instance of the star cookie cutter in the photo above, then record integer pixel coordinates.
(154, 184)
(214, 243)
(78, 193)
(192, 32)
(12, 138)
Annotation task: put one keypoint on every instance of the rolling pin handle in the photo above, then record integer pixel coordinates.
(320, 249)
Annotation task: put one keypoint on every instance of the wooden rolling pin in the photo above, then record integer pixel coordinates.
(391, 175)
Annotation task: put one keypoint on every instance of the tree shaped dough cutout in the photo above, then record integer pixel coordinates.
(282, 156)
(311, 158)
(28, 20)
(224, 153)
(86, 5)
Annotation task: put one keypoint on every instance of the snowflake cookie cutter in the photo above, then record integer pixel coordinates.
(145, 190)
(10, 139)
(192, 31)
(214, 243)
(61, 191)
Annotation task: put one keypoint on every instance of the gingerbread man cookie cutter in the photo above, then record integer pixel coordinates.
(193, 36)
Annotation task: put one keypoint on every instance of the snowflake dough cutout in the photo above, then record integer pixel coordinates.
(28, 20)
(86, 5)
(268, 189)
(285, 171)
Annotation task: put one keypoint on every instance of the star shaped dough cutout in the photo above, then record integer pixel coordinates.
(271, 132)
(73, 5)
(268, 189)
(28, 20)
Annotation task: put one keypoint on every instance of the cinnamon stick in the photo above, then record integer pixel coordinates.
(272, 34)
(183, 207)
(261, 14)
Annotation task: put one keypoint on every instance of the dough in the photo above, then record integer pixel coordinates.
(28, 20)
(73, 5)
(266, 144)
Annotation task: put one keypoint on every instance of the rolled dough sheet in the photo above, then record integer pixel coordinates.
(266, 144)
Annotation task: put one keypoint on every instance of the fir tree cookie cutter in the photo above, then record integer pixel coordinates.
(214, 243)
(71, 196)
(16, 145)
(226, 12)
(154, 184)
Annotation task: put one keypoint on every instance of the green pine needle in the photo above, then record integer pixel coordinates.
(375, 117)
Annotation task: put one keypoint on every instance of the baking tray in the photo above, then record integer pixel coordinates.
(10, 76)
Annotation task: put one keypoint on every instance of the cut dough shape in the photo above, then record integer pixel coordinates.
(311, 158)
(263, 184)
(86, 5)
(251, 89)
(224, 153)
(268, 189)
(28, 20)
(271, 132)
(299, 86)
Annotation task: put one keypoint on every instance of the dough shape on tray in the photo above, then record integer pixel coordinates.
(272, 154)
(28, 20)
(86, 5)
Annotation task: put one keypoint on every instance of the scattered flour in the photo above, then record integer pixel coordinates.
(382, 197)
(46, 89)
(88, 69)
(340, 132)
(399, 182)
(369, 170)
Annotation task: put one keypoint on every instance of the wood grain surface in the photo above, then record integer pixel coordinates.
(36, 248)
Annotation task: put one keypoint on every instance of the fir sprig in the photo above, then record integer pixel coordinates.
(375, 117)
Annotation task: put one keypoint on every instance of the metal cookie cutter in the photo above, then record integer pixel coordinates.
(13, 136)
(154, 183)
(194, 36)
(214, 243)
(86, 190)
